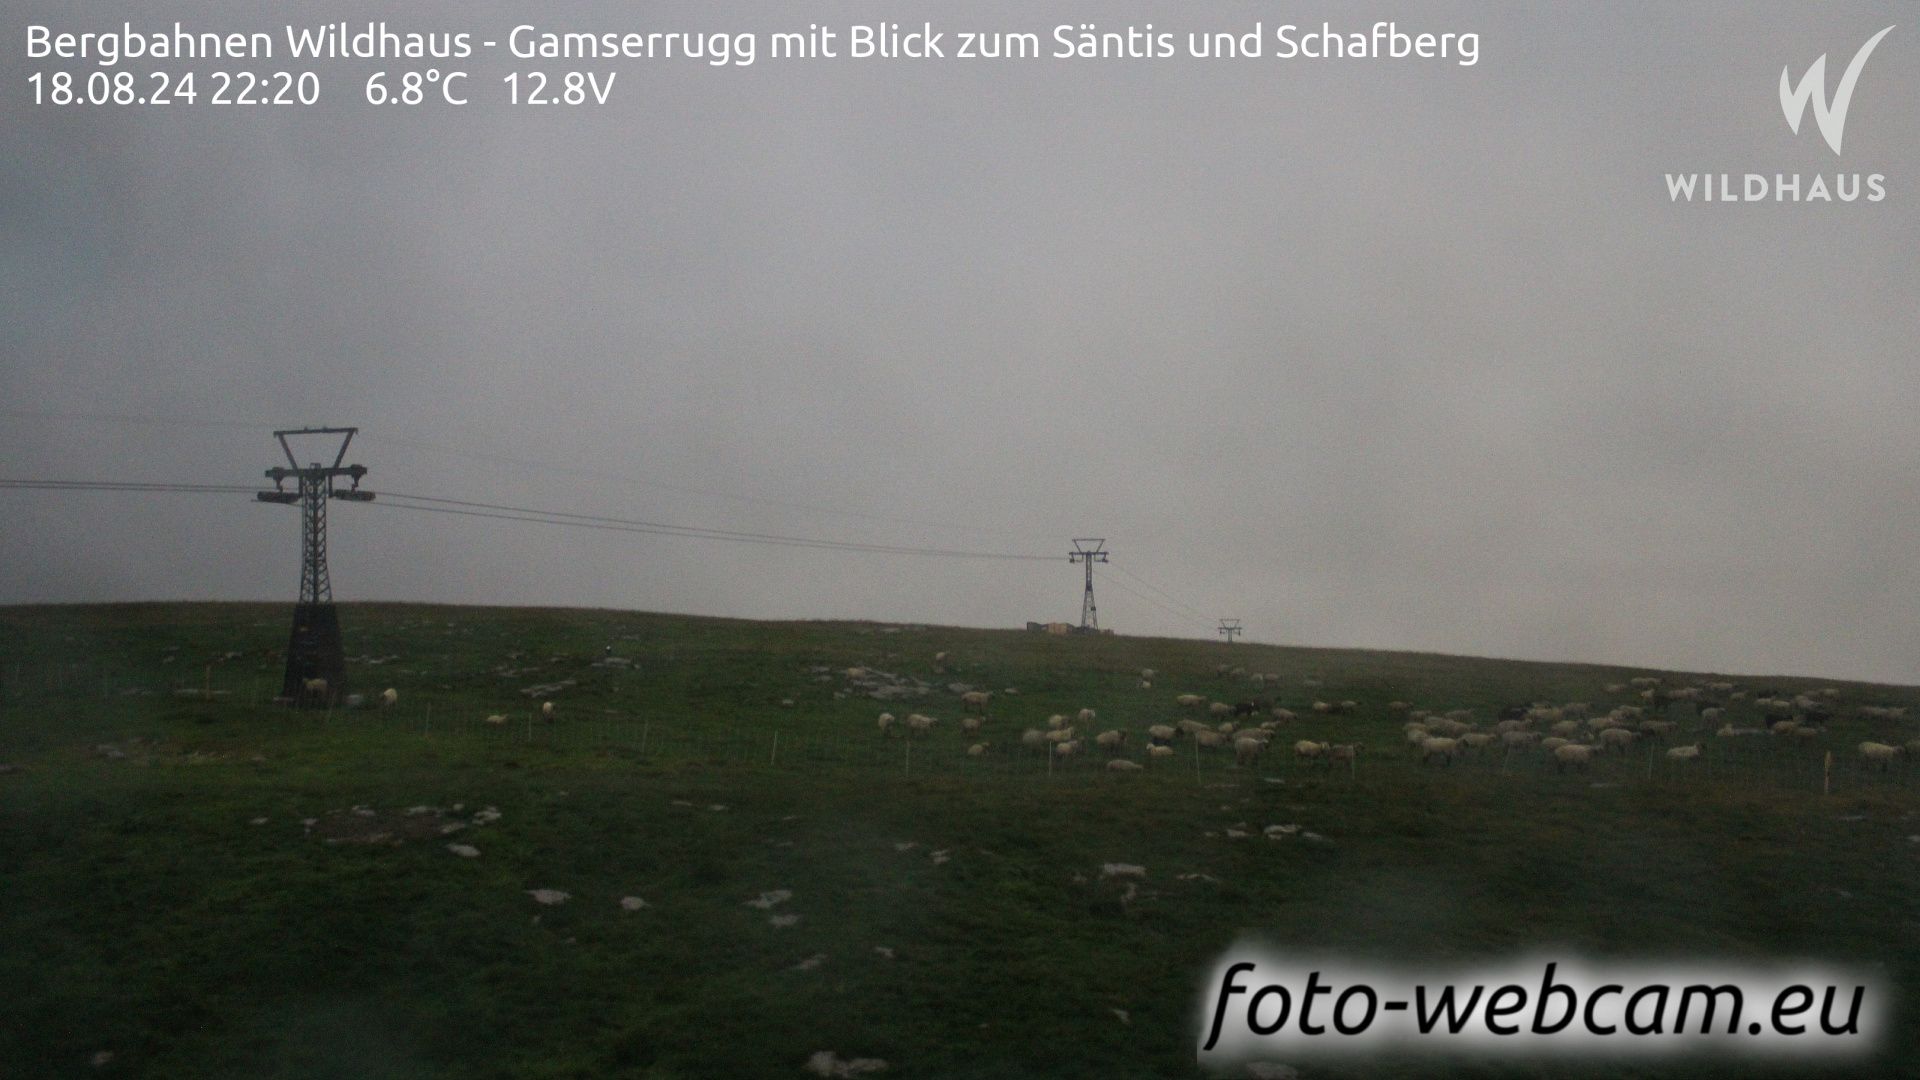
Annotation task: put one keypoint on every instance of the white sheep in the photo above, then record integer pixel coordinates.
(1617, 739)
(389, 698)
(1443, 748)
(978, 749)
(1572, 756)
(315, 687)
(1474, 740)
(1190, 701)
(970, 724)
(1284, 715)
(1309, 750)
(1060, 735)
(1553, 742)
(1123, 765)
(1033, 737)
(1147, 674)
(1520, 740)
(886, 722)
(975, 701)
(1110, 741)
(1065, 749)
(921, 723)
(1686, 753)
(1220, 708)
(1056, 721)
(1160, 751)
(1161, 733)
(1247, 751)
(1209, 738)
(496, 719)
(1876, 753)
(546, 710)
(1085, 716)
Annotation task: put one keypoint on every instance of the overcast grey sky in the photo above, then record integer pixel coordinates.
(1402, 355)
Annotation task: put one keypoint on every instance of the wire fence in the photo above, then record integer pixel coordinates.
(1829, 764)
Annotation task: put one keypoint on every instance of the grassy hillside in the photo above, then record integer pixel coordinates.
(216, 886)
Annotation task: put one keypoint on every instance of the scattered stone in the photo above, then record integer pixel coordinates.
(883, 952)
(1236, 834)
(258, 821)
(717, 807)
(416, 811)
(786, 703)
(1199, 877)
(906, 845)
(829, 1064)
(1281, 832)
(811, 962)
(452, 827)
(487, 816)
(771, 898)
(632, 903)
(101, 1059)
(1315, 837)
(468, 851)
(109, 751)
(1122, 870)
(8, 768)
(783, 921)
(549, 897)
(681, 802)
(1122, 1014)
(939, 857)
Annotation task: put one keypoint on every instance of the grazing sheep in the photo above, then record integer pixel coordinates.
(1160, 751)
(1322, 707)
(1308, 750)
(389, 698)
(1225, 728)
(1161, 733)
(1565, 729)
(1553, 742)
(1398, 706)
(1190, 701)
(1520, 740)
(1657, 729)
(1111, 741)
(546, 710)
(1617, 739)
(1417, 735)
(1146, 684)
(1192, 727)
(1712, 713)
(1123, 765)
(315, 687)
(1209, 739)
(1875, 753)
(1060, 735)
(1344, 751)
(975, 701)
(1728, 731)
(1572, 756)
(886, 723)
(1065, 749)
(1147, 673)
(1056, 721)
(1284, 715)
(1247, 751)
(1442, 748)
(1686, 753)
(921, 723)
(1085, 716)
(496, 719)
(1219, 708)
(1033, 737)
(1475, 740)
(970, 724)
(978, 749)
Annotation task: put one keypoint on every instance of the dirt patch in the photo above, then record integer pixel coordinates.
(365, 825)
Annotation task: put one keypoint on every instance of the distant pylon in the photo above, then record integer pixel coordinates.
(314, 650)
(1230, 629)
(1088, 551)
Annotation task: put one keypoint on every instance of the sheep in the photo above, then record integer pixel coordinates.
(1617, 739)
(1123, 765)
(920, 723)
(1475, 740)
(1553, 742)
(1712, 713)
(1033, 737)
(1876, 753)
(1565, 729)
(1161, 733)
(389, 698)
(1572, 756)
(1417, 734)
(1520, 740)
(1347, 752)
(1084, 716)
(1056, 721)
(1146, 684)
(1686, 753)
(1111, 741)
(1308, 750)
(1442, 748)
(1190, 701)
(940, 657)
(1322, 707)
(975, 701)
(497, 719)
(314, 687)
(1398, 706)
(1160, 751)
(1505, 726)
(978, 749)
(1219, 708)
(1209, 739)
(1225, 728)
(970, 724)
(1065, 749)
(546, 710)
(886, 723)
(1191, 727)
(1247, 751)
(1657, 729)
(1728, 731)
(1284, 715)
(1147, 674)
(1059, 735)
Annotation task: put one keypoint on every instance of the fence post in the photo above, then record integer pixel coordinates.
(645, 726)
(1826, 776)
(774, 758)
(429, 728)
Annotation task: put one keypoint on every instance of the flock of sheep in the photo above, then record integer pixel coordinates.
(1570, 735)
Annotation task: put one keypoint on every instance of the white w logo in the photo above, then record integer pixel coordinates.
(1813, 85)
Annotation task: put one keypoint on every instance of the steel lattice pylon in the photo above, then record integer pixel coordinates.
(1088, 551)
(313, 649)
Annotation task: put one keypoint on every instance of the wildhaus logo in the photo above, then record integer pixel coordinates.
(1829, 115)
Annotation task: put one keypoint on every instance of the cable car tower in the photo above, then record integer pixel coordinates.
(1088, 551)
(313, 650)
